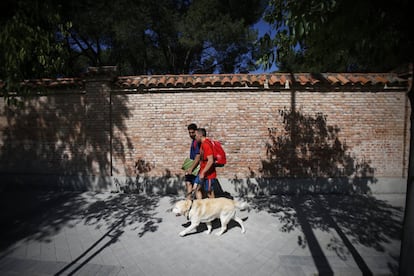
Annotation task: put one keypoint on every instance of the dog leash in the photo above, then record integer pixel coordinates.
(190, 193)
(189, 209)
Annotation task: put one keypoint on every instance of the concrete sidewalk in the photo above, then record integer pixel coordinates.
(127, 234)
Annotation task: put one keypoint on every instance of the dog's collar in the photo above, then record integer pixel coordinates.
(189, 209)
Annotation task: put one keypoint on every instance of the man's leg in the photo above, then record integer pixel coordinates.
(199, 193)
(189, 188)
(210, 188)
(189, 180)
(197, 188)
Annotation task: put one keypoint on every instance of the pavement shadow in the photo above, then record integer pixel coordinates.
(356, 219)
(215, 225)
(46, 213)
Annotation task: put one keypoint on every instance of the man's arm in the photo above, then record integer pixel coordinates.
(194, 165)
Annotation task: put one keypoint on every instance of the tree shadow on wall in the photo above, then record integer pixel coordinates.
(306, 155)
(58, 142)
(144, 184)
(322, 187)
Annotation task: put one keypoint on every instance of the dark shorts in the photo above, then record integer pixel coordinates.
(208, 184)
(190, 178)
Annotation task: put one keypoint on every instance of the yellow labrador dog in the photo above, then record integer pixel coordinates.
(206, 210)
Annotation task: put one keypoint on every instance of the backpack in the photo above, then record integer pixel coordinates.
(218, 153)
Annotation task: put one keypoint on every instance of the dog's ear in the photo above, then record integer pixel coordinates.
(182, 204)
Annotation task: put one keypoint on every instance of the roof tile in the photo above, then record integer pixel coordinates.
(235, 80)
(353, 79)
(275, 80)
(170, 82)
(303, 79)
(380, 79)
(342, 79)
(188, 81)
(364, 80)
(283, 79)
(179, 81)
(226, 81)
(152, 81)
(332, 79)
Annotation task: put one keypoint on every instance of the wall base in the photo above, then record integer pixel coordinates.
(175, 185)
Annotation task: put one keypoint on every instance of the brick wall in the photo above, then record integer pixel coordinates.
(374, 126)
(103, 131)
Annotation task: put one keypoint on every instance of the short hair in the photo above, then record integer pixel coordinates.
(202, 131)
(192, 127)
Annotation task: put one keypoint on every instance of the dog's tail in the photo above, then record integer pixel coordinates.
(241, 205)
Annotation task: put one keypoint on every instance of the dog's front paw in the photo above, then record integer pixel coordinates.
(208, 232)
(182, 233)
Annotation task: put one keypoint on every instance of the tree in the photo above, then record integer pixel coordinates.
(29, 43)
(167, 36)
(63, 38)
(341, 35)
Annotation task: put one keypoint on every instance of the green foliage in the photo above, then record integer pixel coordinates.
(159, 37)
(28, 46)
(62, 38)
(338, 35)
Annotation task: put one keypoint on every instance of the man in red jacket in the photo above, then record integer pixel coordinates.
(207, 175)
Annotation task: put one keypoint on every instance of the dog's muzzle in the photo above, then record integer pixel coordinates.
(175, 211)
